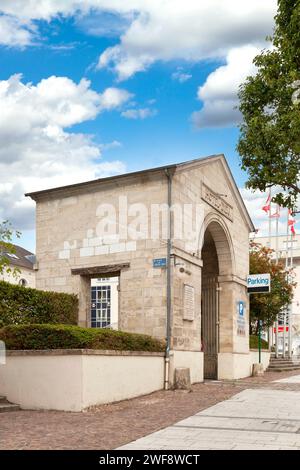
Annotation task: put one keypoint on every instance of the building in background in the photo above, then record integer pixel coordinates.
(288, 254)
(24, 261)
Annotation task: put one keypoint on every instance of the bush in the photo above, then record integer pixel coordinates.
(23, 305)
(254, 343)
(74, 337)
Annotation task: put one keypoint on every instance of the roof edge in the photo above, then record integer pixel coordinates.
(36, 194)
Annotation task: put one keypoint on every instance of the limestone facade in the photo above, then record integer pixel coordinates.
(71, 245)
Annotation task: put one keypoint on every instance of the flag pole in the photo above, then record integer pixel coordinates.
(270, 240)
(270, 218)
(290, 307)
(286, 267)
(277, 256)
(277, 233)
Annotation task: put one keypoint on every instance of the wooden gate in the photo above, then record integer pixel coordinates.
(210, 326)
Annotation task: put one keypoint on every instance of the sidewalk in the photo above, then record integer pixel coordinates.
(112, 426)
(266, 418)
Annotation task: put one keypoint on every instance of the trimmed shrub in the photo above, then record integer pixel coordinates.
(254, 343)
(23, 305)
(74, 337)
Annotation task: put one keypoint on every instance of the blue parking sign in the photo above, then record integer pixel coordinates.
(241, 308)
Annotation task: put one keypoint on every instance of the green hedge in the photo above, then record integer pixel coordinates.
(74, 337)
(254, 343)
(23, 305)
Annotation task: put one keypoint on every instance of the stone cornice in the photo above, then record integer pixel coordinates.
(99, 270)
(232, 278)
(178, 252)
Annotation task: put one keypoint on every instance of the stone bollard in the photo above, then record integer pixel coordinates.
(257, 370)
(182, 378)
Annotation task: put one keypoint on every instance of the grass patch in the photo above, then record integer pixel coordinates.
(254, 343)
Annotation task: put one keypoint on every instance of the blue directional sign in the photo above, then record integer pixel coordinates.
(259, 283)
(160, 263)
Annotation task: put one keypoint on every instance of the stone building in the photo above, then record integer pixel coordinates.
(23, 261)
(177, 239)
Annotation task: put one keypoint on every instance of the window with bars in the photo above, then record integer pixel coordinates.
(100, 306)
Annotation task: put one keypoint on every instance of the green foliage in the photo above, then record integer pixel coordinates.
(19, 305)
(74, 337)
(269, 141)
(266, 307)
(253, 342)
(6, 246)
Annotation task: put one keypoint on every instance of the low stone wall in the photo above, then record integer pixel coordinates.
(73, 380)
(239, 365)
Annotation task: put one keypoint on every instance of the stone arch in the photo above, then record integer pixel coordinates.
(218, 263)
(222, 240)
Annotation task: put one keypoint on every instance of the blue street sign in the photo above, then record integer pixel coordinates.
(160, 263)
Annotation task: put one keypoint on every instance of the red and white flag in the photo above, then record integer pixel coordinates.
(293, 230)
(276, 214)
(267, 205)
(291, 223)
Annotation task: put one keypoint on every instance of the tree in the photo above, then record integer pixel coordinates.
(269, 143)
(266, 307)
(7, 247)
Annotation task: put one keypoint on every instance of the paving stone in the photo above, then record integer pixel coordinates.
(264, 419)
(114, 425)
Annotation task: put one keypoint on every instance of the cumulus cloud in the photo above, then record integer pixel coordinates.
(219, 92)
(161, 29)
(38, 151)
(114, 97)
(173, 29)
(141, 113)
(15, 32)
(104, 24)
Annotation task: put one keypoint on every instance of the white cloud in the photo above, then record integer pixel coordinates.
(37, 151)
(254, 201)
(114, 97)
(193, 30)
(111, 145)
(104, 24)
(165, 30)
(141, 113)
(219, 92)
(14, 32)
(110, 168)
(180, 75)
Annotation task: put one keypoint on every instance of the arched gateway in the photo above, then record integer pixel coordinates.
(167, 284)
(216, 255)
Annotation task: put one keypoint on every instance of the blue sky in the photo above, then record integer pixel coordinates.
(160, 83)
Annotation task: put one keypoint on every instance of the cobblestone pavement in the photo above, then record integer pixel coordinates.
(265, 417)
(111, 426)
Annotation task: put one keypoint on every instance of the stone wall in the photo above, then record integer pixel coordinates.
(229, 231)
(73, 380)
(67, 238)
